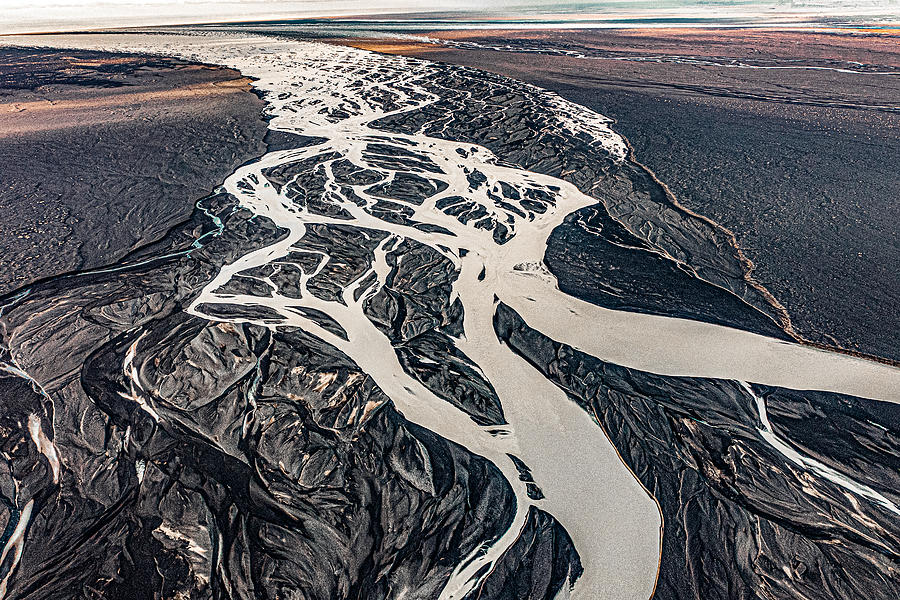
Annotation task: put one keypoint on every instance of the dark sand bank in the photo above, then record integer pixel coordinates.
(801, 164)
(103, 153)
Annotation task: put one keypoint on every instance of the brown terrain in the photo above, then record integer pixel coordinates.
(103, 153)
(801, 164)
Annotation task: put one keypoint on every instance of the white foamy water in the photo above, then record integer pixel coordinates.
(332, 93)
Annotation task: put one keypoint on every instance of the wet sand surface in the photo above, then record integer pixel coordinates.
(800, 163)
(103, 153)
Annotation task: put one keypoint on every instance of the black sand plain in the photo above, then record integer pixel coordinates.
(103, 153)
(800, 163)
(263, 461)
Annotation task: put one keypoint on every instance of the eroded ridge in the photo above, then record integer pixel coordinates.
(302, 390)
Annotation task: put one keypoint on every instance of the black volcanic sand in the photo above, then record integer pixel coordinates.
(103, 153)
(800, 164)
(740, 519)
(150, 448)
